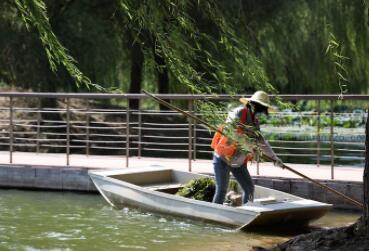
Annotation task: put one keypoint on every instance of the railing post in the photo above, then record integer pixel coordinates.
(11, 130)
(127, 133)
(88, 128)
(332, 140)
(318, 134)
(68, 131)
(194, 134)
(38, 135)
(139, 130)
(190, 137)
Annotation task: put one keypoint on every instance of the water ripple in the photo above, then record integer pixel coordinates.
(133, 247)
(70, 221)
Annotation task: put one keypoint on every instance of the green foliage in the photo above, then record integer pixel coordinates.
(233, 186)
(292, 36)
(199, 189)
(211, 112)
(203, 189)
(34, 13)
(198, 43)
(334, 50)
(325, 120)
(208, 46)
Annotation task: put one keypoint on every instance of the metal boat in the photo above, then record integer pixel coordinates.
(154, 188)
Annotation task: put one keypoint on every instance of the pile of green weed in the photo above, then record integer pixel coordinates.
(202, 189)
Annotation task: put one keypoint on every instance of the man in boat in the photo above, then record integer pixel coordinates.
(231, 156)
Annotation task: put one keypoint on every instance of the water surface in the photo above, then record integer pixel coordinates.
(39, 220)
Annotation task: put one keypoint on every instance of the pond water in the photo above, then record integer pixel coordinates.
(42, 220)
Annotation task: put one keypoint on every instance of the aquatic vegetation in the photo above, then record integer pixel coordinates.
(203, 189)
(348, 120)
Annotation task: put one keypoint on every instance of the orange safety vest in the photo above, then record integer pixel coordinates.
(220, 142)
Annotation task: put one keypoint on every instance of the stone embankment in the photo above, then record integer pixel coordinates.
(76, 179)
(46, 177)
(305, 189)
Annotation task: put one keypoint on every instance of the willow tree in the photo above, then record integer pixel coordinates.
(191, 49)
(194, 44)
(290, 38)
(279, 41)
(188, 43)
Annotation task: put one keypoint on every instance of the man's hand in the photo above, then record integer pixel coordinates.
(278, 162)
(251, 197)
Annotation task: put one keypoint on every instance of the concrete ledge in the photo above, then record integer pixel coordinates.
(77, 179)
(46, 177)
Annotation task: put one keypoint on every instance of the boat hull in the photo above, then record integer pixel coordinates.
(126, 189)
(121, 195)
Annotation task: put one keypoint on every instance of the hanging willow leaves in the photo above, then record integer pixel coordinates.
(334, 51)
(34, 14)
(198, 44)
(228, 46)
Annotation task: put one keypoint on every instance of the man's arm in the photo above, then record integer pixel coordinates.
(266, 149)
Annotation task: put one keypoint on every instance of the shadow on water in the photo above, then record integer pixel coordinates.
(282, 231)
(334, 218)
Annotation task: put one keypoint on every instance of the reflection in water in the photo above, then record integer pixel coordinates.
(32, 220)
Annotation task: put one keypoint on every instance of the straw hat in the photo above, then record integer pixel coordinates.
(261, 98)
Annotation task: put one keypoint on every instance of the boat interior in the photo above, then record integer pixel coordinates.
(170, 181)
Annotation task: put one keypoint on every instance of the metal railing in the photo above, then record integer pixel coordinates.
(87, 129)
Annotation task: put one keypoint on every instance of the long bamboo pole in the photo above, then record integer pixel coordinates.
(343, 196)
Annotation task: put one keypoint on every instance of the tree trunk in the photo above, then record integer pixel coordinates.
(162, 75)
(51, 84)
(137, 60)
(366, 180)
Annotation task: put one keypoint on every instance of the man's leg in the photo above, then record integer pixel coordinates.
(243, 177)
(221, 171)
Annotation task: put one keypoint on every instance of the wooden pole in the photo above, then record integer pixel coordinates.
(321, 185)
(343, 196)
